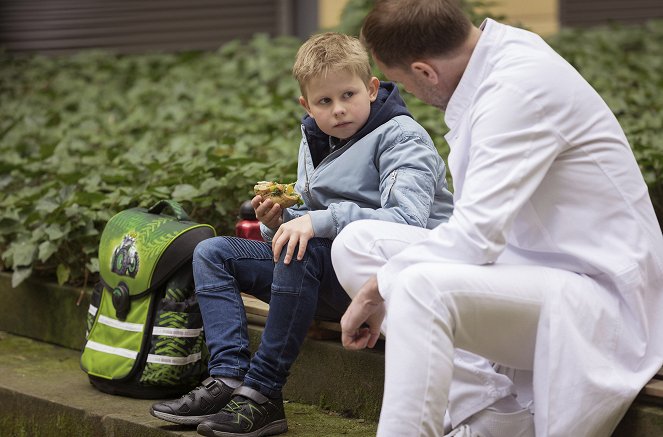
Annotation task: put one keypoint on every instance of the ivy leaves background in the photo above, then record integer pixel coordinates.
(83, 137)
(86, 136)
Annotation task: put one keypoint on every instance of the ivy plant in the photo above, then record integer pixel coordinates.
(86, 136)
(83, 137)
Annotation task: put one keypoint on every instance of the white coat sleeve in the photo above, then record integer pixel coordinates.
(511, 147)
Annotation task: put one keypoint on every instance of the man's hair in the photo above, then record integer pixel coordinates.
(330, 52)
(398, 32)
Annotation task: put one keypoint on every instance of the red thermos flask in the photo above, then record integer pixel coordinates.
(248, 226)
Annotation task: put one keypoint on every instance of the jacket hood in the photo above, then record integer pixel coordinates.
(386, 106)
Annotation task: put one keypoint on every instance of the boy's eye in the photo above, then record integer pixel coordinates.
(324, 100)
(348, 94)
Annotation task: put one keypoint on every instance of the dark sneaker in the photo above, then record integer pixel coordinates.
(198, 405)
(248, 414)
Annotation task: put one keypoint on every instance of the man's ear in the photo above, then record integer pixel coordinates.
(425, 71)
(304, 103)
(373, 87)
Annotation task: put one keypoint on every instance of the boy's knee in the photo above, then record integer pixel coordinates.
(210, 250)
(203, 249)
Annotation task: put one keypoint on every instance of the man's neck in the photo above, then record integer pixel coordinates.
(457, 61)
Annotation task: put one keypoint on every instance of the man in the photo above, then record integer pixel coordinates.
(552, 261)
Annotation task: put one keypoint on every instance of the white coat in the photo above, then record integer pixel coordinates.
(544, 175)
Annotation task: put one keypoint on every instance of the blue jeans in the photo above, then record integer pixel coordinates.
(225, 266)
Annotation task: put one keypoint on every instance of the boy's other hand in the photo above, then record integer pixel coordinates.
(292, 233)
(366, 307)
(268, 212)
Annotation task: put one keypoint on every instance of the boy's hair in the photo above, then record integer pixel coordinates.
(398, 32)
(330, 52)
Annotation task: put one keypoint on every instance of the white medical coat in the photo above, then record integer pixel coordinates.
(544, 175)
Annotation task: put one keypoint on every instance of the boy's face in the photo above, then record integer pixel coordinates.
(340, 103)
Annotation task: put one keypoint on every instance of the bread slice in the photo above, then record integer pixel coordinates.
(283, 194)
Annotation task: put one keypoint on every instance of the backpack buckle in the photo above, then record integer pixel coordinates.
(121, 300)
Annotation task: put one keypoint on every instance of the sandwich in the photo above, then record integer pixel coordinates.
(283, 194)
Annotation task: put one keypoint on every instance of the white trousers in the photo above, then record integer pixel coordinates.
(441, 319)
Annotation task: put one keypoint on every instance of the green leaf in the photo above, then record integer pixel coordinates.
(63, 272)
(54, 232)
(46, 249)
(93, 265)
(22, 253)
(20, 274)
(47, 205)
(185, 192)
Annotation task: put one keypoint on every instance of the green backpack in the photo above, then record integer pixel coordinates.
(145, 331)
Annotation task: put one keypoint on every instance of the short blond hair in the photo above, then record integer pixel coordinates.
(330, 52)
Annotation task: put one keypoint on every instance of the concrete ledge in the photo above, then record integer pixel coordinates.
(642, 419)
(330, 377)
(44, 311)
(44, 393)
(324, 375)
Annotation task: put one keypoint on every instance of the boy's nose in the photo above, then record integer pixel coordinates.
(339, 110)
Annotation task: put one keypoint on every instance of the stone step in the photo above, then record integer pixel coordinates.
(44, 393)
(325, 375)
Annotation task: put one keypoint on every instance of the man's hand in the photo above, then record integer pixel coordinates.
(366, 307)
(294, 232)
(268, 212)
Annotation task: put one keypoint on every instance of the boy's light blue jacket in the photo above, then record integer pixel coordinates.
(390, 170)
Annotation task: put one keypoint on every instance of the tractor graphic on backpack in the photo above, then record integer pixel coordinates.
(125, 258)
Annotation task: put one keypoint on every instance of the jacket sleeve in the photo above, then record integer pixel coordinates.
(410, 170)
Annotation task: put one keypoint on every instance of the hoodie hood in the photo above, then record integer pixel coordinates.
(386, 106)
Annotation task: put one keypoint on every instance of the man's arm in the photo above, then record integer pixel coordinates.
(512, 146)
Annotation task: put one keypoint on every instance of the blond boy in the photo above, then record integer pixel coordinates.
(361, 156)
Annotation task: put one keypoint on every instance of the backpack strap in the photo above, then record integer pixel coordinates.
(173, 206)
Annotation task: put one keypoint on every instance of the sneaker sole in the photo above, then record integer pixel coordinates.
(182, 420)
(273, 428)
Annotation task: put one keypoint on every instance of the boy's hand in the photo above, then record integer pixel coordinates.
(366, 307)
(294, 232)
(268, 212)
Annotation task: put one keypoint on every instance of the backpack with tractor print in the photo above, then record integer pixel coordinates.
(145, 332)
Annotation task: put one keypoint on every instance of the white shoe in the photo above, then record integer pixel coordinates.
(488, 423)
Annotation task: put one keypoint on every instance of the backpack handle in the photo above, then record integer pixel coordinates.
(173, 206)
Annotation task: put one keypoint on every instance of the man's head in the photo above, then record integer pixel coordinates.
(425, 45)
(334, 76)
(398, 32)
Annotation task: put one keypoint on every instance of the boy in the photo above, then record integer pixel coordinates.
(361, 156)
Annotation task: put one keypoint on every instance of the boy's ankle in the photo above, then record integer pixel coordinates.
(230, 382)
